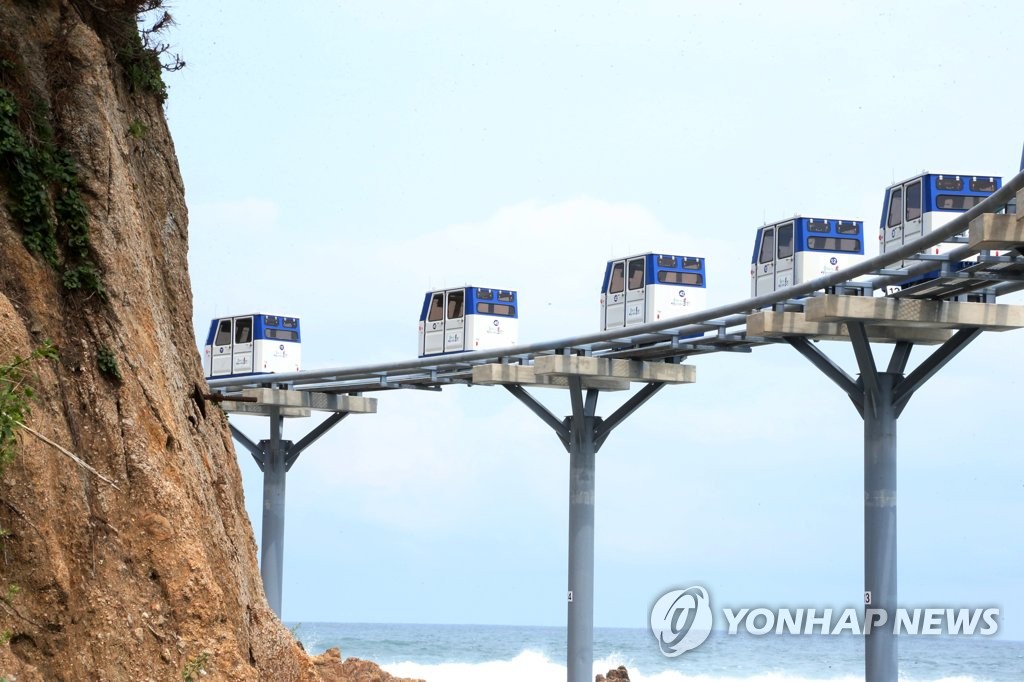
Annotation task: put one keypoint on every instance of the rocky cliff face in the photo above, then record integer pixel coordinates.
(152, 576)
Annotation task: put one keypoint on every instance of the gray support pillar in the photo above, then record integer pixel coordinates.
(880, 645)
(582, 433)
(580, 654)
(880, 398)
(272, 544)
(276, 456)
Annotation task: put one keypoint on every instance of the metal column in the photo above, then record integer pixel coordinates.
(582, 434)
(880, 398)
(272, 537)
(880, 645)
(275, 458)
(582, 451)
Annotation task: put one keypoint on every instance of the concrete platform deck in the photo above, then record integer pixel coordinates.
(914, 313)
(298, 403)
(995, 231)
(628, 370)
(526, 375)
(771, 324)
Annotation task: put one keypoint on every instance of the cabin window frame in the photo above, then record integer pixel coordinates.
(224, 329)
(617, 278)
(855, 244)
(243, 324)
(895, 217)
(692, 279)
(435, 311)
(780, 244)
(913, 206)
(767, 254)
(634, 267)
(499, 309)
(458, 297)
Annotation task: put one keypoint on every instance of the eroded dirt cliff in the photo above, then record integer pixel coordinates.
(156, 578)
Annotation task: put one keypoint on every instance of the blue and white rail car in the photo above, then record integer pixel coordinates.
(650, 287)
(252, 344)
(926, 202)
(800, 249)
(468, 318)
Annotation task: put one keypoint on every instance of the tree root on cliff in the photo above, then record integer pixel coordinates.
(67, 453)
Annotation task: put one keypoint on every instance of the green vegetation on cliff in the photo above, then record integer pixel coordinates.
(45, 199)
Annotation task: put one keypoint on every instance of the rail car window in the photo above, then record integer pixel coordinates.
(691, 264)
(506, 296)
(817, 226)
(914, 201)
(485, 294)
(436, 308)
(223, 337)
(243, 330)
(271, 320)
(636, 274)
(495, 309)
(618, 279)
(673, 277)
(767, 246)
(290, 323)
(282, 334)
(667, 261)
(954, 184)
(957, 202)
(842, 228)
(896, 208)
(786, 241)
(455, 305)
(983, 185)
(833, 244)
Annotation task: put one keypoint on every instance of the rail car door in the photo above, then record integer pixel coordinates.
(615, 300)
(636, 286)
(764, 277)
(892, 236)
(242, 349)
(784, 257)
(455, 320)
(433, 326)
(913, 220)
(220, 351)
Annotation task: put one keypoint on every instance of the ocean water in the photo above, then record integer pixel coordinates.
(500, 653)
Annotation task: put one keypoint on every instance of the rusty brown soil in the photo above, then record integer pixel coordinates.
(156, 578)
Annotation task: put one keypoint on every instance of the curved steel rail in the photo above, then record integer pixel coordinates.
(435, 371)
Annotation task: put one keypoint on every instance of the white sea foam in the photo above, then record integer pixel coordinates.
(529, 665)
(535, 666)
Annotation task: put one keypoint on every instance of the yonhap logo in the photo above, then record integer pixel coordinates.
(681, 620)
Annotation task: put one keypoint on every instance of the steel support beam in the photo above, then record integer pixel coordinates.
(900, 357)
(880, 398)
(583, 433)
(829, 369)
(880, 646)
(582, 461)
(255, 450)
(311, 437)
(927, 369)
(272, 536)
(275, 458)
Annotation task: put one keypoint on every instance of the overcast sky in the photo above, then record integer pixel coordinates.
(342, 158)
